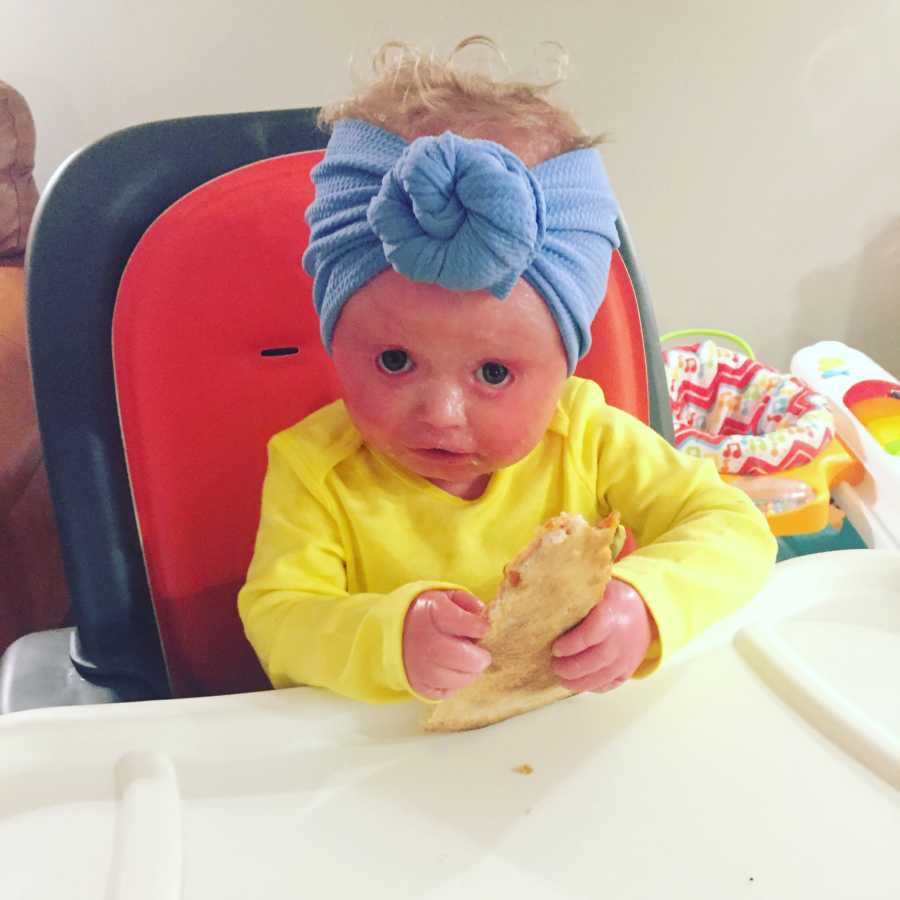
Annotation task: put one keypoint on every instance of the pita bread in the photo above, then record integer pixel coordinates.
(546, 590)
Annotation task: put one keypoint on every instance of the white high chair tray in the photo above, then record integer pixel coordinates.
(761, 763)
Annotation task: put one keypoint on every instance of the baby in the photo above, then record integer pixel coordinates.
(460, 243)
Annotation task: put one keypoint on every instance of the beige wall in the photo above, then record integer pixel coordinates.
(755, 146)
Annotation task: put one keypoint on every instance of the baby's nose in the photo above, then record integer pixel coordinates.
(442, 405)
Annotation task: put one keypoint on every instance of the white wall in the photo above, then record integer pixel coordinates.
(756, 146)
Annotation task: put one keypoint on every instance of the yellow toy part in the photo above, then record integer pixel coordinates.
(796, 501)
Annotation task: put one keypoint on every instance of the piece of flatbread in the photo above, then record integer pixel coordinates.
(546, 590)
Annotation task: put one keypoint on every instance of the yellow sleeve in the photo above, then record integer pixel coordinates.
(703, 548)
(303, 624)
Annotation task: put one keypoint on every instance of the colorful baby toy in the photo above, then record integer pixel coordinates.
(865, 401)
(767, 432)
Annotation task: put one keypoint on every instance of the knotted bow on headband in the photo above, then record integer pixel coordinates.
(465, 214)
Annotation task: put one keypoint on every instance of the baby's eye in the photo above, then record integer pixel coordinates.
(492, 373)
(394, 361)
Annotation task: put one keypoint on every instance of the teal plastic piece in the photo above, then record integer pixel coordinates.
(820, 542)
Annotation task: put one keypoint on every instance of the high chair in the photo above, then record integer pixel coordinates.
(171, 334)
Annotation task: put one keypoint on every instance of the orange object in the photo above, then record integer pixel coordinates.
(835, 464)
(33, 593)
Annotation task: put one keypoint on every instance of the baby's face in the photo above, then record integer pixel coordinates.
(452, 386)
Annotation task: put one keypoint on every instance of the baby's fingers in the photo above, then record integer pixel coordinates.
(594, 659)
(593, 629)
(459, 655)
(599, 682)
(468, 602)
(445, 682)
(459, 614)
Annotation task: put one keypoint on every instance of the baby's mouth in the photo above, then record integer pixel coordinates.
(444, 454)
(441, 452)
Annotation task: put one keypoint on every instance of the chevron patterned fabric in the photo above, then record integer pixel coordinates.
(751, 419)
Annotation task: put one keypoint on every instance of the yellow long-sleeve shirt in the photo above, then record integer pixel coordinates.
(347, 539)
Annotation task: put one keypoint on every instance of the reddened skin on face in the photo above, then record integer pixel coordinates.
(450, 385)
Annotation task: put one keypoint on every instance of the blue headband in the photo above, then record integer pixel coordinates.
(464, 214)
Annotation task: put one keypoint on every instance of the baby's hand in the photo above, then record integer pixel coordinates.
(439, 649)
(606, 647)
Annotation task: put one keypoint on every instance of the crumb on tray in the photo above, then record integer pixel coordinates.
(524, 769)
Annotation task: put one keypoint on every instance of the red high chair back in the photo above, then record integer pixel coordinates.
(216, 348)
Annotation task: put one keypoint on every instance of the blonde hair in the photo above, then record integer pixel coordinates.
(415, 93)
